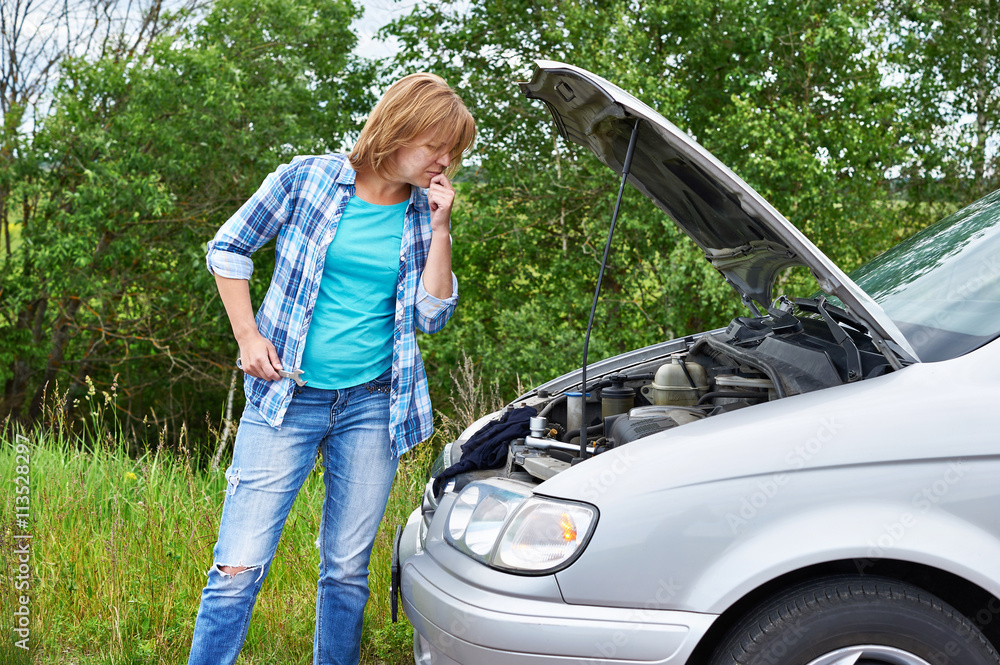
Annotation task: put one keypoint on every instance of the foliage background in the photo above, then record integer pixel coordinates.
(126, 139)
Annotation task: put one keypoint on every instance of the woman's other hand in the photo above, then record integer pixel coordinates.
(440, 196)
(259, 358)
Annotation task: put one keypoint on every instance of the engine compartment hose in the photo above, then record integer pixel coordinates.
(604, 383)
(544, 413)
(593, 429)
(684, 366)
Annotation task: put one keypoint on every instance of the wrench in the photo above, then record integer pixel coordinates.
(294, 375)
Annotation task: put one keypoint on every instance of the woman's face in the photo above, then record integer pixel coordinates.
(428, 155)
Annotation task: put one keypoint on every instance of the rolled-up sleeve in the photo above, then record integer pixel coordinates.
(257, 221)
(432, 312)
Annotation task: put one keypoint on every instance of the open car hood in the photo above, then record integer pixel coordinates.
(745, 238)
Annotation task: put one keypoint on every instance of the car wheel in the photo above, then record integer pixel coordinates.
(855, 621)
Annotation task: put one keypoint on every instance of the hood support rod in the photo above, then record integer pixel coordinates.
(626, 167)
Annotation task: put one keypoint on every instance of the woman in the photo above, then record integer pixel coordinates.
(343, 308)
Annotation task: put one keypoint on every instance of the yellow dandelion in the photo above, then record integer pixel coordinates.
(131, 476)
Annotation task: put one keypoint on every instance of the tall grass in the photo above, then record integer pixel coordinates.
(121, 545)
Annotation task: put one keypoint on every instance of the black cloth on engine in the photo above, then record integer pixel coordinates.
(487, 448)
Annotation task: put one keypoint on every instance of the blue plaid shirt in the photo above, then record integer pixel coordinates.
(301, 203)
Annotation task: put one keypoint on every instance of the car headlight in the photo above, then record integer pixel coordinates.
(544, 534)
(478, 515)
(504, 526)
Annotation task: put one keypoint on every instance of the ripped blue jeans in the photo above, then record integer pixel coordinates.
(350, 428)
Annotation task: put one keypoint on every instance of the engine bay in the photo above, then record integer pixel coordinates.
(803, 346)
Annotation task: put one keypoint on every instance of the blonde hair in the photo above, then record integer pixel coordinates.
(411, 106)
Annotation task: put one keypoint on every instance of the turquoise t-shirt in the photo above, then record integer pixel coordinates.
(350, 336)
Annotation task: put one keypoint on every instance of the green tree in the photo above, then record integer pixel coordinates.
(143, 156)
(35, 39)
(949, 56)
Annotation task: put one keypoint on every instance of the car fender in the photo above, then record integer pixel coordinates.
(860, 532)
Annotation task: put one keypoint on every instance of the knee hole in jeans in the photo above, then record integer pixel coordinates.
(233, 570)
(230, 572)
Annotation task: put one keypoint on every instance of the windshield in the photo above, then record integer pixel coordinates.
(942, 285)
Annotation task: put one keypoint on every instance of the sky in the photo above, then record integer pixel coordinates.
(377, 14)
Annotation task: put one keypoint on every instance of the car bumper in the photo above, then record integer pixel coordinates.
(459, 623)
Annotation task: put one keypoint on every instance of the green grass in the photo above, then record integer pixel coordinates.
(121, 547)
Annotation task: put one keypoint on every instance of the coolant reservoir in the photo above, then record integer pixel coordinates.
(672, 387)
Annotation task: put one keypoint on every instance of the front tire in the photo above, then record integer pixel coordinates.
(846, 620)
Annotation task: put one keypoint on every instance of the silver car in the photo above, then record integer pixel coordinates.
(816, 484)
